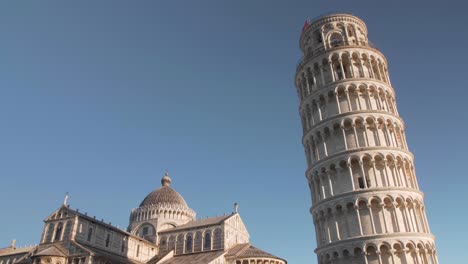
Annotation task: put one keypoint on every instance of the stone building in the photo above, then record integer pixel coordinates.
(162, 230)
(366, 203)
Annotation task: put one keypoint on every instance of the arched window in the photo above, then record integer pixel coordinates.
(50, 233)
(171, 243)
(207, 241)
(189, 244)
(67, 231)
(163, 243)
(180, 244)
(58, 232)
(336, 40)
(198, 241)
(138, 251)
(218, 239)
(147, 232)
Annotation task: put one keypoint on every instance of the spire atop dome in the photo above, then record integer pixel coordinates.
(166, 180)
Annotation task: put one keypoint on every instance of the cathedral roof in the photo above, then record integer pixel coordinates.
(14, 251)
(253, 252)
(164, 195)
(50, 251)
(246, 250)
(115, 258)
(195, 258)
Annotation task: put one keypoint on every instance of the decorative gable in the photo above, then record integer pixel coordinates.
(235, 231)
(58, 225)
(61, 213)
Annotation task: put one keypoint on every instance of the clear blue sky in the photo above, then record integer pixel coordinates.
(98, 98)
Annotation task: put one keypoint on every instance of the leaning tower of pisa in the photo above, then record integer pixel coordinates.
(366, 203)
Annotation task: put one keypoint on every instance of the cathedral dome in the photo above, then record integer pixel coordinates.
(165, 195)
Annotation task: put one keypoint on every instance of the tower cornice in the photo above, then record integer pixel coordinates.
(364, 193)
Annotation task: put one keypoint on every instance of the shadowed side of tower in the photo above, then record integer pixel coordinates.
(366, 203)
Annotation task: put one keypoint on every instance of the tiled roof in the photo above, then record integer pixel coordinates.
(248, 251)
(15, 251)
(197, 258)
(199, 223)
(114, 258)
(158, 258)
(253, 252)
(233, 251)
(50, 251)
(3, 250)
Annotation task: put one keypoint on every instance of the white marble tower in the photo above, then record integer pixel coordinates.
(366, 203)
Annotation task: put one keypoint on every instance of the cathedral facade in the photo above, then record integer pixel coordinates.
(162, 230)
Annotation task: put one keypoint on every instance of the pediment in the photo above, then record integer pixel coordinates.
(61, 213)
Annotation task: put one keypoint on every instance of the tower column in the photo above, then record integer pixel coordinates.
(342, 69)
(332, 72)
(338, 103)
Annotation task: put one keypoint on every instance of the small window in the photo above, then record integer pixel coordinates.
(138, 251)
(107, 240)
(90, 234)
(122, 247)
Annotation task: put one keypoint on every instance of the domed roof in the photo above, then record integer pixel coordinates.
(164, 195)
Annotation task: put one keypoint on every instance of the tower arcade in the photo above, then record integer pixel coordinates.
(366, 203)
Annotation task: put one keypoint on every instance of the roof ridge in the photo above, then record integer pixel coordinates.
(196, 223)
